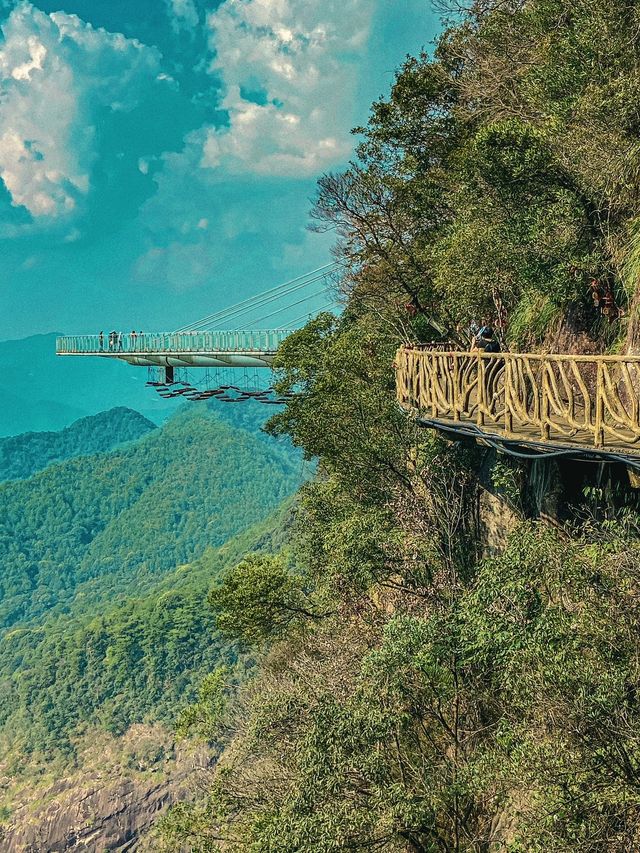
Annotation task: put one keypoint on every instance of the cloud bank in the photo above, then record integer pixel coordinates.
(59, 80)
(184, 14)
(289, 70)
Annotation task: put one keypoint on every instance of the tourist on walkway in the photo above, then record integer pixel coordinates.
(485, 341)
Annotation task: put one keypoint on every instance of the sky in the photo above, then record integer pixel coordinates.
(158, 157)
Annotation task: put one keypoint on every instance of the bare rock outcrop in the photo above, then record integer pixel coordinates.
(109, 803)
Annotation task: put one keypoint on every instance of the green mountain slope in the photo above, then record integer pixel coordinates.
(138, 661)
(102, 526)
(26, 454)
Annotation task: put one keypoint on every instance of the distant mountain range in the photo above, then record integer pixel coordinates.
(111, 533)
(26, 454)
(42, 391)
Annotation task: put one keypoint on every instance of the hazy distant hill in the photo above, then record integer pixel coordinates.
(20, 414)
(42, 391)
(26, 454)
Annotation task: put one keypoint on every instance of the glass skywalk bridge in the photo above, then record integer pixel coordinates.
(180, 349)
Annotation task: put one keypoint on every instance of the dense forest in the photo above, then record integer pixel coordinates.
(94, 527)
(139, 660)
(422, 687)
(108, 553)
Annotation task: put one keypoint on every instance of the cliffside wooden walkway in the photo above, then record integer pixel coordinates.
(577, 403)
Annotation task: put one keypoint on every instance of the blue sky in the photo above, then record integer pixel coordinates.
(157, 157)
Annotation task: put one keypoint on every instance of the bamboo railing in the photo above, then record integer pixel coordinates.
(590, 400)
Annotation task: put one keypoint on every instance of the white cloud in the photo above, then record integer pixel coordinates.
(184, 14)
(179, 266)
(290, 71)
(55, 73)
(201, 230)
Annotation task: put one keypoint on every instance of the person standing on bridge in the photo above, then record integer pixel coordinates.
(101, 341)
(119, 341)
(134, 338)
(485, 341)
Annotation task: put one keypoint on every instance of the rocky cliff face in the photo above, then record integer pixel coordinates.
(109, 803)
(113, 817)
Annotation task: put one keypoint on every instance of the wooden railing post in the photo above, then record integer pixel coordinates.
(456, 389)
(508, 413)
(426, 390)
(434, 370)
(481, 392)
(544, 405)
(599, 430)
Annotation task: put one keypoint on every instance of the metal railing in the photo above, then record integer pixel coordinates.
(592, 400)
(260, 341)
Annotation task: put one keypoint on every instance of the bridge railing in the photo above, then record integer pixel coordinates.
(261, 341)
(587, 399)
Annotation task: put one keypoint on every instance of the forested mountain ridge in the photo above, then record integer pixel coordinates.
(92, 698)
(26, 454)
(442, 668)
(113, 630)
(136, 660)
(95, 526)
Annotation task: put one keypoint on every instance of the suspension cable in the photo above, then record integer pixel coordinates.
(261, 300)
(315, 313)
(286, 307)
(258, 296)
(274, 292)
(264, 302)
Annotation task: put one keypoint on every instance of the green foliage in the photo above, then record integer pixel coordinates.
(553, 627)
(507, 480)
(202, 718)
(343, 369)
(259, 599)
(499, 170)
(533, 317)
(139, 660)
(21, 456)
(517, 699)
(101, 526)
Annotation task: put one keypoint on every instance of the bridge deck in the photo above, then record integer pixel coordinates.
(563, 403)
(180, 349)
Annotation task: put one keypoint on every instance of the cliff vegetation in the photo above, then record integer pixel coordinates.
(419, 688)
